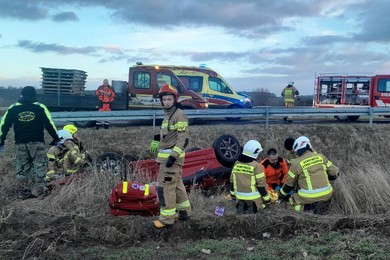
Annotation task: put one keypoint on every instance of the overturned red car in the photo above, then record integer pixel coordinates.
(203, 168)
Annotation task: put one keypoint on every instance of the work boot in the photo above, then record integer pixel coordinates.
(159, 224)
(98, 124)
(42, 193)
(25, 193)
(106, 124)
(182, 215)
(285, 119)
(241, 207)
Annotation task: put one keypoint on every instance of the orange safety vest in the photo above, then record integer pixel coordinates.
(105, 94)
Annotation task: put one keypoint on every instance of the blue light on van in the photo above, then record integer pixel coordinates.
(202, 66)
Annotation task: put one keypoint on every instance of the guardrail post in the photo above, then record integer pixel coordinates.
(266, 117)
(371, 116)
(154, 121)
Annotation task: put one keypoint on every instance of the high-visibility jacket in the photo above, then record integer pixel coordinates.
(289, 93)
(275, 174)
(246, 179)
(105, 94)
(65, 159)
(173, 135)
(311, 172)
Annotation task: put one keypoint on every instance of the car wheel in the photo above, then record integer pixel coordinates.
(114, 164)
(342, 118)
(353, 118)
(234, 118)
(227, 150)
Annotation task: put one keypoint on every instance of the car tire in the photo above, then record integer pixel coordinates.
(227, 150)
(114, 164)
(233, 118)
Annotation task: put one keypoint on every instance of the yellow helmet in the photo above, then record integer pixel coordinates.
(71, 128)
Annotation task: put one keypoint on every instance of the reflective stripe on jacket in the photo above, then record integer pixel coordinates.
(246, 178)
(310, 171)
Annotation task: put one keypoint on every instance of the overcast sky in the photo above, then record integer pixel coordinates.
(251, 43)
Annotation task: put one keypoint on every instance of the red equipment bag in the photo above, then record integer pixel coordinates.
(130, 198)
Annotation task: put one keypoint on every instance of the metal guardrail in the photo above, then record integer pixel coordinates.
(252, 113)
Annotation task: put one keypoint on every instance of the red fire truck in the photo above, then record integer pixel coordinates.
(351, 90)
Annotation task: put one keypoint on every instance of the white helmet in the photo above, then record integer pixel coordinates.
(64, 135)
(301, 142)
(252, 149)
(290, 83)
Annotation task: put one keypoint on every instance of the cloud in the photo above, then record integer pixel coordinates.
(22, 10)
(324, 39)
(65, 16)
(246, 18)
(374, 22)
(39, 47)
(207, 56)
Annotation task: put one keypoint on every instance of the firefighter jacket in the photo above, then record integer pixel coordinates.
(29, 119)
(173, 135)
(248, 181)
(275, 174)
(289, 157)
(289, 93)
(66, 158)
(310, 174)
(105, 94)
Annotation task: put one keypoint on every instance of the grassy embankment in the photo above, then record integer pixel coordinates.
(73, 222)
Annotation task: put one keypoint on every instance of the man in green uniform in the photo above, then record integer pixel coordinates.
(29, 119)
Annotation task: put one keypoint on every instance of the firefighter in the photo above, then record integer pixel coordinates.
(169, 145)
(275, 169)
(289, 93)
(65, 158)
(288, 145)
(309, 174)
(106, 95)
(74, 131)
(29, 118)
(248, 184)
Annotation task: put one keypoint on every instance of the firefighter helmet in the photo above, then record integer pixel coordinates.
(168, 89)
(64, 135)
(252, 149)
(70, 128)
(301, 143)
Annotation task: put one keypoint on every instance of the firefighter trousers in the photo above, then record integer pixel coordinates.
(298, 203)
(172, 194)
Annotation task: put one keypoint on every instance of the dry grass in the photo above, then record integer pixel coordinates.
(79, 211)
(359, 151)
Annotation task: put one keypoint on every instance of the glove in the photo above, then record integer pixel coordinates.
(171, 161)
(154, 146)
(1, 148)
(277, 188)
